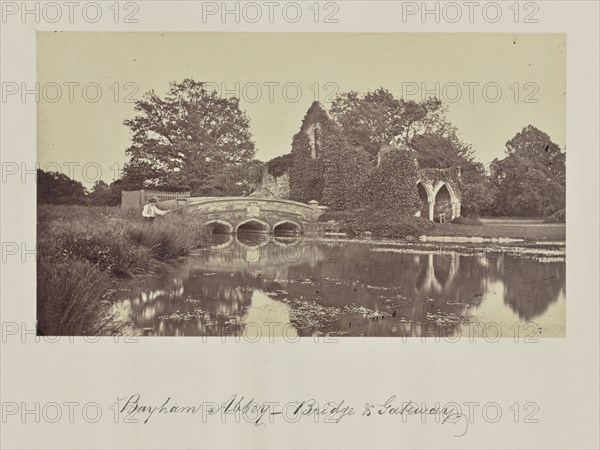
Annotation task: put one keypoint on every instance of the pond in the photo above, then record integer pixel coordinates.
(257, 285)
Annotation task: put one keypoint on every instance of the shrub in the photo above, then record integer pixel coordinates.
(559, 216)
(467, 221)
(380, 223)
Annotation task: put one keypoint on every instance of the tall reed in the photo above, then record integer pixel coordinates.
(83, 250)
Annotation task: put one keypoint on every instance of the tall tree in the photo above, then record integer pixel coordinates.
(478, 191)
(186, 138)
(376, 119)
(536, 147)
(531, 179)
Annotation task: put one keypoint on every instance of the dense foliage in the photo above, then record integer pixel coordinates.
(306, 174)
(392, 186)
(377, 118)
(193, 140)
(346, 173)
(57, 188)
(187, 139)
(530, 181)
(280, 165)
(343, 176)
(103, 194)
(307, 179)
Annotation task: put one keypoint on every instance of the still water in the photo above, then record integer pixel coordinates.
(253, 286)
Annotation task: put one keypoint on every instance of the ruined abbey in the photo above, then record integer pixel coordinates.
(324, 167)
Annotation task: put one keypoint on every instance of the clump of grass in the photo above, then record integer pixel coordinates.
(82, 250)
(167, 240)
(110, 251)
(70, 297)
(111, 239)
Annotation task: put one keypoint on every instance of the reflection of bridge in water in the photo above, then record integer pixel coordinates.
(244, 278)
(259, 252)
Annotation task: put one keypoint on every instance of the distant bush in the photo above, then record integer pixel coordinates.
(378, 222)
(467, 221)
(57, 188)
(559, 216)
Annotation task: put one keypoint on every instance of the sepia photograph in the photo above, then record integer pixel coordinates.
(299, 224)
(401, 185)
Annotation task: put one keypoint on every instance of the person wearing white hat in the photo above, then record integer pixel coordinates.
(150, 210)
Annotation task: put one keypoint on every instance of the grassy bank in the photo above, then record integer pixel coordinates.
(379, 223)
(393, 225)
(513, 229)
(83, 250)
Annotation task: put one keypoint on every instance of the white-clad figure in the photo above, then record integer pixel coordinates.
(150, 210)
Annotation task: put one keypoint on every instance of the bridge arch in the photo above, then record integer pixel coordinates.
(253, 224)
(288, 225)
(220, 226)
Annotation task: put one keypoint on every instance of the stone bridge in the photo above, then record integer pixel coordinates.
(255, 214)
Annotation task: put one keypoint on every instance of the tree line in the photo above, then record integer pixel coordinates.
(190, 138)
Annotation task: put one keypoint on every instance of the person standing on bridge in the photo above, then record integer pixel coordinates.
(150, 210)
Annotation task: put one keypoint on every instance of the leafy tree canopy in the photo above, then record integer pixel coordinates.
(438, 152)
(534, 148)
(186, 138)
(377, 119)
(531, 179)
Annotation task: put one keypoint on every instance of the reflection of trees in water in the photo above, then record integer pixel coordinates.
(418, 289)
(530, 288)
(411, 286)
(219, 281)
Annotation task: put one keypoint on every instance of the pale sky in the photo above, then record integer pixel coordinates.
(319, 64)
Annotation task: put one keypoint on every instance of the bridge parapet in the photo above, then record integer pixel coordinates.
(269, 212)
